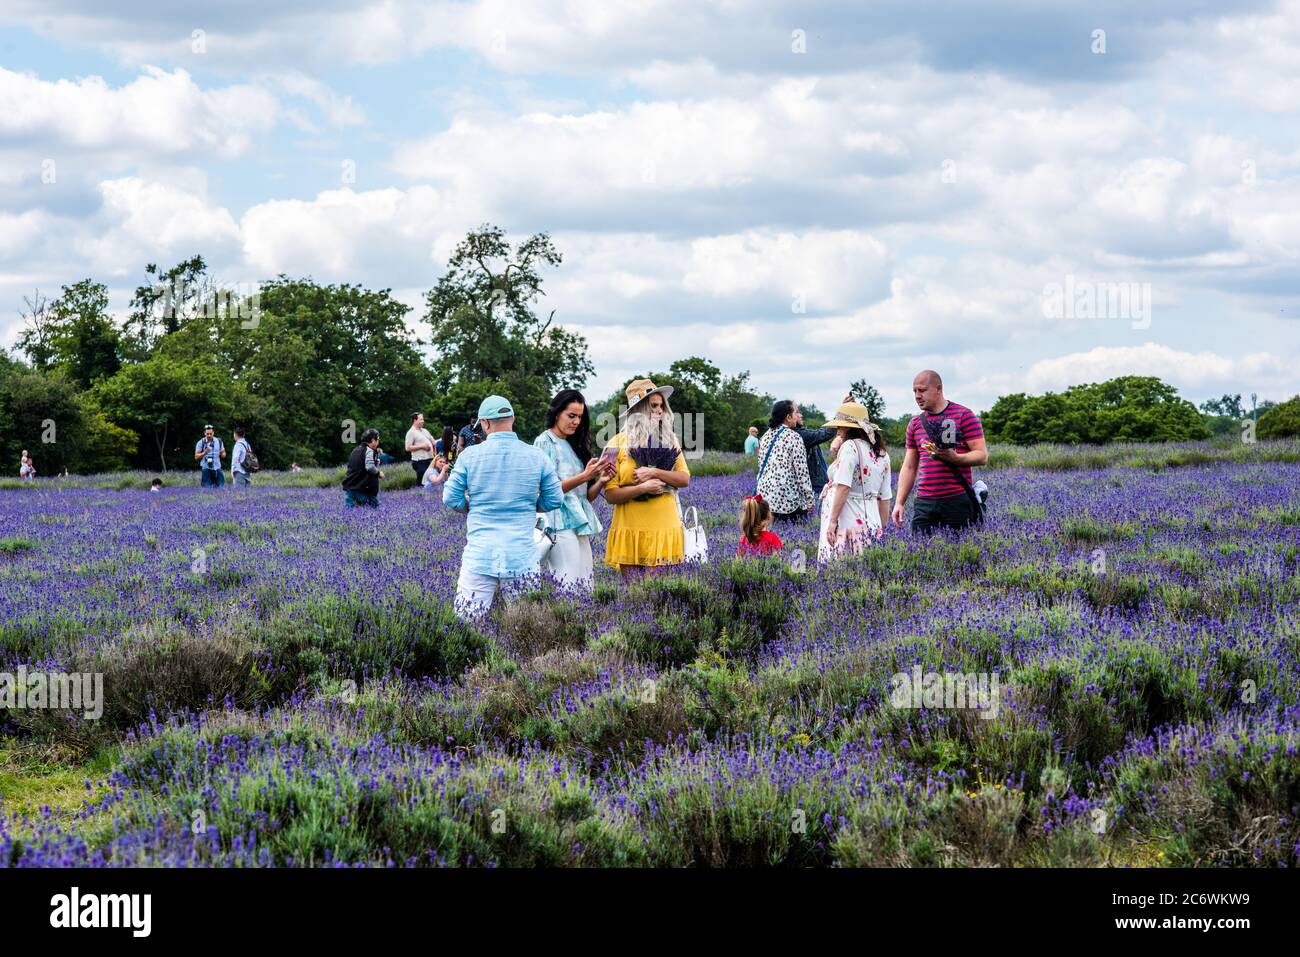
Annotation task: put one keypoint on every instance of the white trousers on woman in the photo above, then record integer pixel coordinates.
(569, 560)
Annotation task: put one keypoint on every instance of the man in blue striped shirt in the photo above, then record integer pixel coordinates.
(502, 483)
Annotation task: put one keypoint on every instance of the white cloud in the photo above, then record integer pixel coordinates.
(1198, 373)
(338, 110)
(342, 233)
(22, 232)
(741, 175)
(1254, 59)
(158, 112)
(143, 221)
(823, 270)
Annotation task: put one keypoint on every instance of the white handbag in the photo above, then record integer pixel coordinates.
(543, 539)
(697, 544)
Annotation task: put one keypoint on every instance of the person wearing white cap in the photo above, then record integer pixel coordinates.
(502, 483)
(208, 452)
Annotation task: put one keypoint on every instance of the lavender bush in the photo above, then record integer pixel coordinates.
(285, 684)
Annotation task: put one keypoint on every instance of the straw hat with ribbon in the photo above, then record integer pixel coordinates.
(641, 389)
(853, 415)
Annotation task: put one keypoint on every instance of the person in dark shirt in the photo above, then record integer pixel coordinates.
(472, 434)
(361, 482)
(813, 439)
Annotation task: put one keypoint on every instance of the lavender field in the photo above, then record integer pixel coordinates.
(285, 684)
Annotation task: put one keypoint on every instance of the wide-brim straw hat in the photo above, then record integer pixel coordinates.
(851, 415)
(641, 389)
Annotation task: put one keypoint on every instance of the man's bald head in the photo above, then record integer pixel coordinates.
(927, 388)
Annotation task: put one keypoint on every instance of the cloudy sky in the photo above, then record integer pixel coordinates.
(815, 192)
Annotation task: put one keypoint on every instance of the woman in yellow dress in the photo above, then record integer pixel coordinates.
(646, 531)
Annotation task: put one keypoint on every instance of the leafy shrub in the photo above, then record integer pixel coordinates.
(1216, 796)
(534, 626)
(752, 600)
(1282, 421)
(1118, 591)
(156, 669)
(415, 635)
(14, 545)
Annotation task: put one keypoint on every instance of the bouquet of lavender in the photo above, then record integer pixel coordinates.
(654, 456)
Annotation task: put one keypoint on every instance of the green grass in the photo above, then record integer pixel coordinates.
(13, 545)
(33, 777)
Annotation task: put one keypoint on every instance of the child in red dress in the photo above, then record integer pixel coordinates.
(755, 522)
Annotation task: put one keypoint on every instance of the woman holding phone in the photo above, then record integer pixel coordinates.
(567, 443)
(646, 531)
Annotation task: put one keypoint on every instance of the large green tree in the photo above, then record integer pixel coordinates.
(869, 396)
(165, 302)
(44, 414)
(167, 402)
(305, 368)
(74, 335)
(1124, 409)
(725, 405)
(485, 327)
(1281, 421)
(330, 354)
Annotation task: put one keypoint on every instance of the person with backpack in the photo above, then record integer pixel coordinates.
(944, 441)
(243, 463)
(361, 481)
(854, 512)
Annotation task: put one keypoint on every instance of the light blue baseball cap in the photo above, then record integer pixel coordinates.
(495, 407)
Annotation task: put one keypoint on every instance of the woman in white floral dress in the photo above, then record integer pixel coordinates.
(854, 509)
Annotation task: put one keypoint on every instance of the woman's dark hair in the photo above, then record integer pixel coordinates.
(580, 440)
(369, 435)
(780, 410)
(877, 444)
(448, 440)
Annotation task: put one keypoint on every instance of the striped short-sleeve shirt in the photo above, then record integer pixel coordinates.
(955, 424)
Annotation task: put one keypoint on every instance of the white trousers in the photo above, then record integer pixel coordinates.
(569, 560)
(474, 592)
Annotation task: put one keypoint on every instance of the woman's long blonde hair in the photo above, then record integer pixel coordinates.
(639, 430)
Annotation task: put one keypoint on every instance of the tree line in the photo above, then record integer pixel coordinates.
(1132, 409)
(304, 367)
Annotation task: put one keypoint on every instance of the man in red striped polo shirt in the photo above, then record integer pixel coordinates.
(943, 432)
